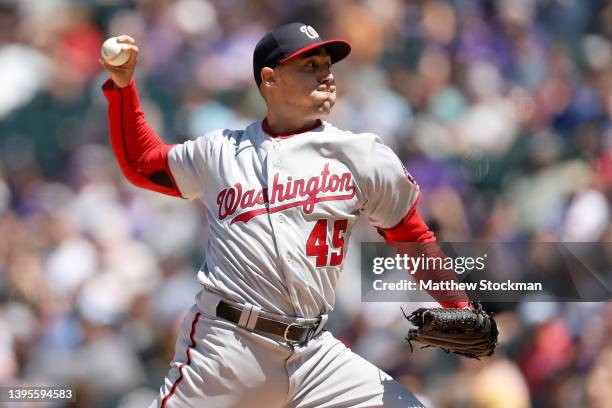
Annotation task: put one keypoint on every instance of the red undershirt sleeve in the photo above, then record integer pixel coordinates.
(141, 154)
(412, 228)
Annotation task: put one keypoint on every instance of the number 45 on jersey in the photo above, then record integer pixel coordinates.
(317, 247)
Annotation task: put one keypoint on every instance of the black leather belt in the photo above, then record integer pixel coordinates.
(291, 333)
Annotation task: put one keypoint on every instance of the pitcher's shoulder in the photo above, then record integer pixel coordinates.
(226, 135)
(358, 142)
(221, 137)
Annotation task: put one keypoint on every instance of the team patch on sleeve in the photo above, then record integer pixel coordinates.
(409, 176)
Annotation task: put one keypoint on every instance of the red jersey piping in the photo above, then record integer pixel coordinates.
(180, 377)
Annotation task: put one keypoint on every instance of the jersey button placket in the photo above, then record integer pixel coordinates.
(278, 221)
(276, 159)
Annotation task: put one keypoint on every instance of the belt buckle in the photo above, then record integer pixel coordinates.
(311, 331)
(287, 332)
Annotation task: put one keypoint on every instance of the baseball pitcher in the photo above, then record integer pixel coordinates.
(281, 197)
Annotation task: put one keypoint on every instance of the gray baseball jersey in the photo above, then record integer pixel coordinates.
(281, 209)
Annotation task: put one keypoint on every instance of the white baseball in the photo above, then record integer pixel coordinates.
(113, 53)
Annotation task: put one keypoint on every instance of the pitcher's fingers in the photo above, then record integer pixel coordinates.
(112, 68)
(133, 50)
(129, 47)
(132, 59)
(126, 39)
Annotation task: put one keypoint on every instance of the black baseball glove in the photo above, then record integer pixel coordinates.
(467, 332)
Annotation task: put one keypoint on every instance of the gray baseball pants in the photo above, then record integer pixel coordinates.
(219, 364)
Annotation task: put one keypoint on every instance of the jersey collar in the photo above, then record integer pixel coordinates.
(266, 128)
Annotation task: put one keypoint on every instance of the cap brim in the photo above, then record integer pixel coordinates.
(337, 50)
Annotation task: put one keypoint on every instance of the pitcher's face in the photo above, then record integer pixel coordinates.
(307, 83)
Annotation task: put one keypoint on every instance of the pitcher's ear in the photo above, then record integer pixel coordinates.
(268, 76)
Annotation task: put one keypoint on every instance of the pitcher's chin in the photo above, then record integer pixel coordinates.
(325, 107)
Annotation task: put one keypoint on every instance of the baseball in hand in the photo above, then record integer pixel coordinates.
(113, 53)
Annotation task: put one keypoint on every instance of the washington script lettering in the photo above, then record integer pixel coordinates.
(306, 191)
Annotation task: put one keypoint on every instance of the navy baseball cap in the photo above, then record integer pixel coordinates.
(289, 41)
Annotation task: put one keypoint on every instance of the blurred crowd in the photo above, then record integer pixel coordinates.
(500, 109)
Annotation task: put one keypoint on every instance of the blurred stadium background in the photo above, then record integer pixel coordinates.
(501, 110)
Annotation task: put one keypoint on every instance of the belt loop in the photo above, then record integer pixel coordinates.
(244, 315)
(207, 302)
(252, 320)
(322, 322)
